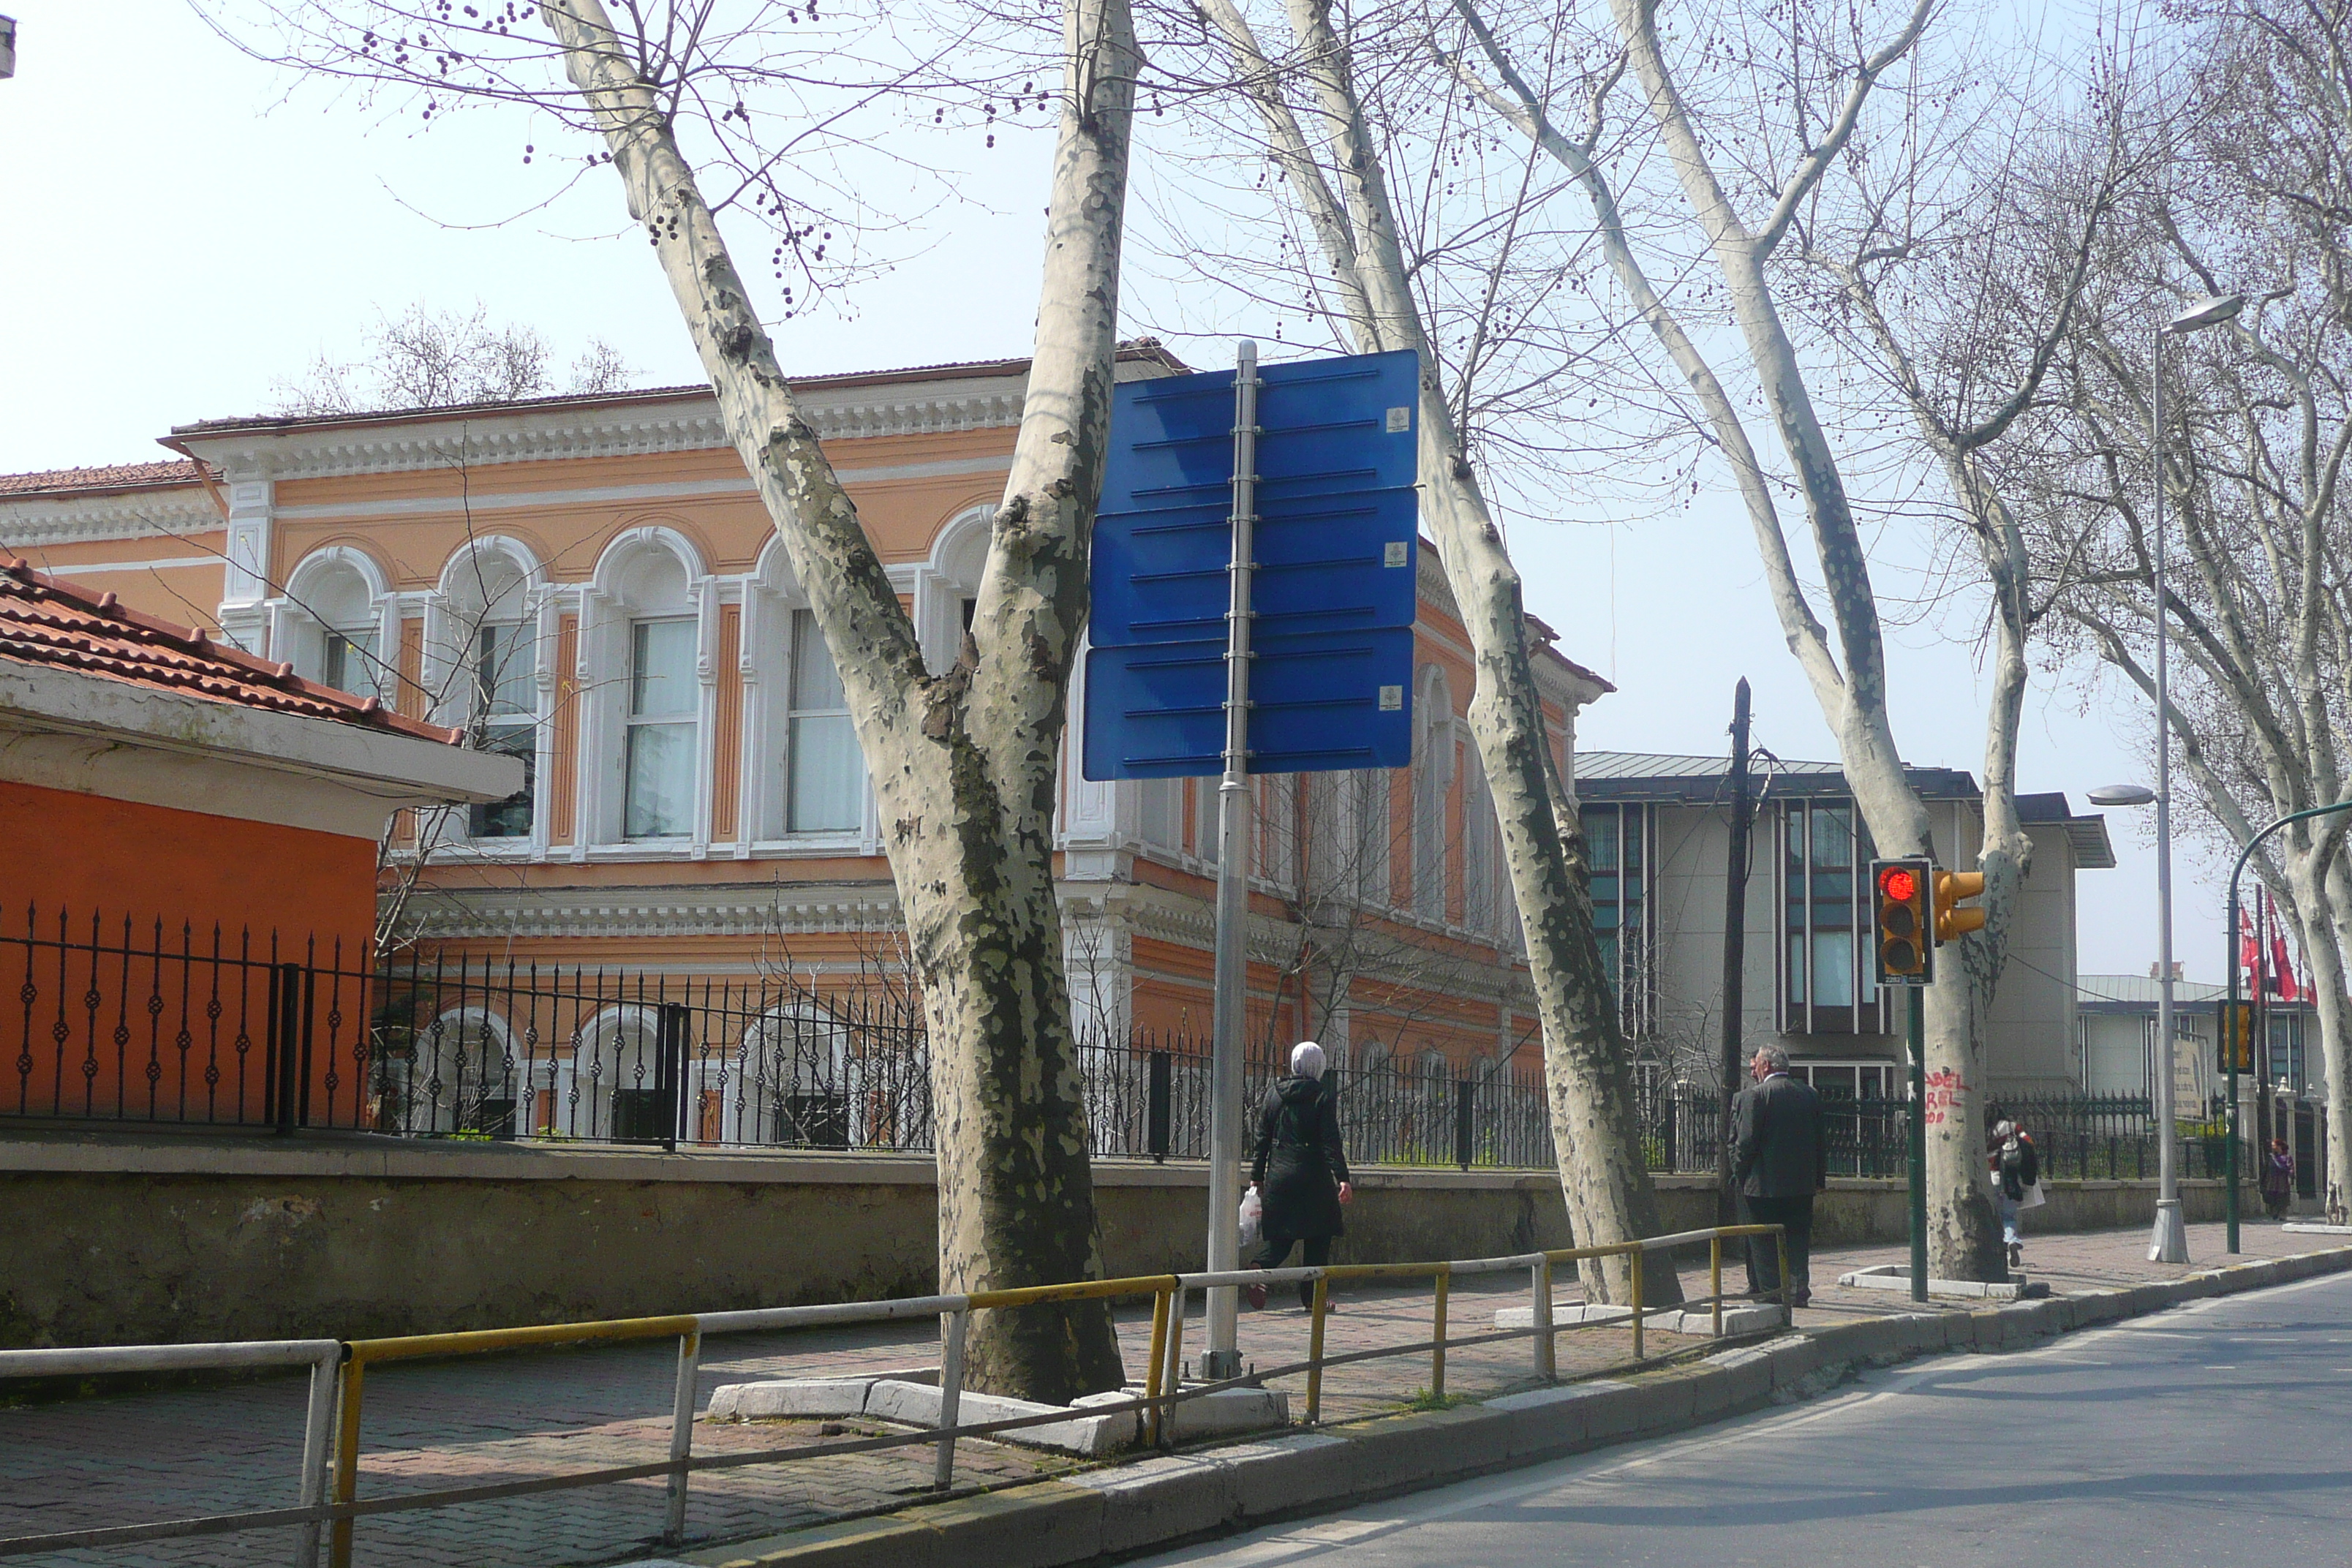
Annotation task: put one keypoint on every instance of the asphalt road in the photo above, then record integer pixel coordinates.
(2219, 1434)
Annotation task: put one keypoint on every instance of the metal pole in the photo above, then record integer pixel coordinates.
(1539, 1285)
(950, 1396)
(318, 1449)
(2237, 872)
(1735, 956)
(681, 1434)
(1222, 1357)
(2169, 1243)
(1918, 1141)
(2232, 1042)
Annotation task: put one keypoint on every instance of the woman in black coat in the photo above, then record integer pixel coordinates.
(1300, 1174)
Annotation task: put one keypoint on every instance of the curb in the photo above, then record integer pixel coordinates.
(1169, 1498)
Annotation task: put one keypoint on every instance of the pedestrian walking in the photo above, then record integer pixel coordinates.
(1300, 1170)
(2016, 1183)
(1783, 1160)
(2278, 1179)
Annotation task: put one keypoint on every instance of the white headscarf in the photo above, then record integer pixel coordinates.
(1306, 1060)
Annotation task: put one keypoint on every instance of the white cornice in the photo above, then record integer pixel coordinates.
(526, 434)
(92, 519)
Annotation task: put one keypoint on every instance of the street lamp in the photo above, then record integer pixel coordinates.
(2170, 1242)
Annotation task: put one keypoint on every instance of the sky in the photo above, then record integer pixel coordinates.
(188, 233)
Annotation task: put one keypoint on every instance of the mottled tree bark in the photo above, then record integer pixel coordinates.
(962, 764)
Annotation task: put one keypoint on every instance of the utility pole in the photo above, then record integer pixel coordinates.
(1735, 954)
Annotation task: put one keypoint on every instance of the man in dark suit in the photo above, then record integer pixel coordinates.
(1783, 1160)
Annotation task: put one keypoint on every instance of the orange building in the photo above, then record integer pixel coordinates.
(181, 821)
(591, 584)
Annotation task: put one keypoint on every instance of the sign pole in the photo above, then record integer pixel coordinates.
(1223, 1359)
(1919, 1141)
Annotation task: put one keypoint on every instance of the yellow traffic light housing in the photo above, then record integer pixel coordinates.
(1901, 921)
(1951, 919)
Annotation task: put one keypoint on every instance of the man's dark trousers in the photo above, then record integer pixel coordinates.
(1764, 1254)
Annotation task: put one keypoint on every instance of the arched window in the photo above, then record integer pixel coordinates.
(797, 1079)
(1432, 777)
(948, 584)
(329, 625)
(608, 1085)
(807, 775)
(649, 673)
(1480, 847)
(483, 637)
(458, 1074)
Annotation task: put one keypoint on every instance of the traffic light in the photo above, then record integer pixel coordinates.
(1900, 922)
(1951, 921)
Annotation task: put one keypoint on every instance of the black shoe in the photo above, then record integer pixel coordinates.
(2016, 1254)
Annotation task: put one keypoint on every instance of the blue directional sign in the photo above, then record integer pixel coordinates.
(1332, 592)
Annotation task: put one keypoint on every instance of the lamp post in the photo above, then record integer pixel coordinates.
(2169, 1241)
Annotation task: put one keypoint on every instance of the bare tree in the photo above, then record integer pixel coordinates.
(429, 359)
(963, 764)
(2247, 189)
(1781, 146)
(1323, 134)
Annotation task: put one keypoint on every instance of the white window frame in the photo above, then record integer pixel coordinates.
(633, 724)
(801, 628)
(770, 597)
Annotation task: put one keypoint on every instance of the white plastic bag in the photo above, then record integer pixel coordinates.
(1253, 1219)
(2033, 1198)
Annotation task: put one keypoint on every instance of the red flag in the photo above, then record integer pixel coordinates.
(2250, 950)
(2282, 964)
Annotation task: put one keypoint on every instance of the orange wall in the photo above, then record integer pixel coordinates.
(152, 1048)
(85, 853)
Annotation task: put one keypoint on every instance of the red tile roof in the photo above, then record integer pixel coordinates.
(48, 620)
(112, 477)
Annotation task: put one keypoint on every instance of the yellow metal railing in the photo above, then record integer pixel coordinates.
(1163, 1387)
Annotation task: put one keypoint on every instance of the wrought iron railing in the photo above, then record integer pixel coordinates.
(120, 1022)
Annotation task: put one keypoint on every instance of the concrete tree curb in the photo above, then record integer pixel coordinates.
(1168, 1498)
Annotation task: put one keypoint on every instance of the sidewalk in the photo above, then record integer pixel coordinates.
(120, 1459)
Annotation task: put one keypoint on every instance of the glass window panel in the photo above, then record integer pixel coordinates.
(815, 683)
(662, 681)
(351, 662)
(660, 781)
(1633, 837)
(1833, 971)
(1601, 834)
(510, 817)
(1797, 968)
(1832, 838)
(1833, 1082)
(826, 793)
(506, 667)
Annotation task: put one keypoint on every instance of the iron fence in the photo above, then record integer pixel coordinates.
(154, 1025)
(2078, 1136)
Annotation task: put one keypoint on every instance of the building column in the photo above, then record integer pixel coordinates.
(245, 576)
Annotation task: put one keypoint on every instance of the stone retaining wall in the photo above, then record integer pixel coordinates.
(115, 1239)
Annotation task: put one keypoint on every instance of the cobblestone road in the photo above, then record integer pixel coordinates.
(122, 1458)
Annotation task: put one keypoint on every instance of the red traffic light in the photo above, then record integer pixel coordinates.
(1899, 883)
